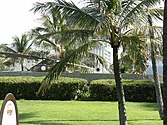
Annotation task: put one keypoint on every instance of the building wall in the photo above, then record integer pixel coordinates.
(27, 65)
(105, 51)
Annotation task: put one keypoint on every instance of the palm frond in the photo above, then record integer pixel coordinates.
(81, 67)
(7, 48)
(137, 7)
(71, 57)
(70, 11)
(155, 13)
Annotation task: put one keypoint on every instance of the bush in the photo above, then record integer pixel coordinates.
(102, 90)
(135, 90)
(139, 91)
(64, 89)
(27, 88)
(21, 87)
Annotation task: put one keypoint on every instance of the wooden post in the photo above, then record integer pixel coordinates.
(9, 111)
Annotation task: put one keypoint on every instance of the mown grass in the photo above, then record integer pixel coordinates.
(84, 113)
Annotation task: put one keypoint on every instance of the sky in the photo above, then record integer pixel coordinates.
(16, 18)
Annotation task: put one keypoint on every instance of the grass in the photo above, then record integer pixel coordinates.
(84, 113)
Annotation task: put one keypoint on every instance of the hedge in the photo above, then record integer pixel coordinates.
(135, 90)
(27, 88)
(65, 88)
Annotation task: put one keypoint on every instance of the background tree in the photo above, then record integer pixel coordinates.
(155, 45)
(149, 49)
(20, 45)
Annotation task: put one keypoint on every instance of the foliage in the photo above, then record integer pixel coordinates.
(64, 89)
(74, 88)
(114, 20)
(55, 35)
(27, 88)
(20, 45)
(135, 90)
(21, 87)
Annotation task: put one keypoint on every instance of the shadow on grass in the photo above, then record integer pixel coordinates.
(29, 115)
(62, 122)
(44, 122)
(58, 122)
(144, 120)
(151, 106)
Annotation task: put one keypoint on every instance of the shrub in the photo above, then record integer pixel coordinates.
(102, 90)
(27, 88)
(21, 87)
(64, 89)
(139, 91)
(135, 90)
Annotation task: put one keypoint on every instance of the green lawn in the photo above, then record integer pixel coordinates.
(84, 113)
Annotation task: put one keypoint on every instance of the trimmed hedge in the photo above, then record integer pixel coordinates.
(27, 88)
(102, 90)
(135, 90)
(65, 88)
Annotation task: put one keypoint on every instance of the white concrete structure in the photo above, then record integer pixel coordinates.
(105, 51)
(27, 65)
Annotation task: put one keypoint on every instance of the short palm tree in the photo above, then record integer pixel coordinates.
(110, 18)
(19, 46)
(50, 36)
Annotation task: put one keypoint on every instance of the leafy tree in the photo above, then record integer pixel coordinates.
(110, 18)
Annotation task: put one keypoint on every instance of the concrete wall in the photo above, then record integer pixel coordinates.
(87, 76)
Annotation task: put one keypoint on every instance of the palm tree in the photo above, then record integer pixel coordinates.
(153, 36)
(19, 46)
(110, 18)
(165, 63)
(50, 37)
(155, 49)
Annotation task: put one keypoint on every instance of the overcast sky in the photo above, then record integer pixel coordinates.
(15, 18)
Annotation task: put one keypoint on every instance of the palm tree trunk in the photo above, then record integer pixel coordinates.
(157, 84)
(22, 65)
(165, 63)
(119, 87)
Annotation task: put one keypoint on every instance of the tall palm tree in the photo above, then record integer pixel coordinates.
(153, 36)
(155, 50)
(110, 18)
(165, 63)
(20, 45)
